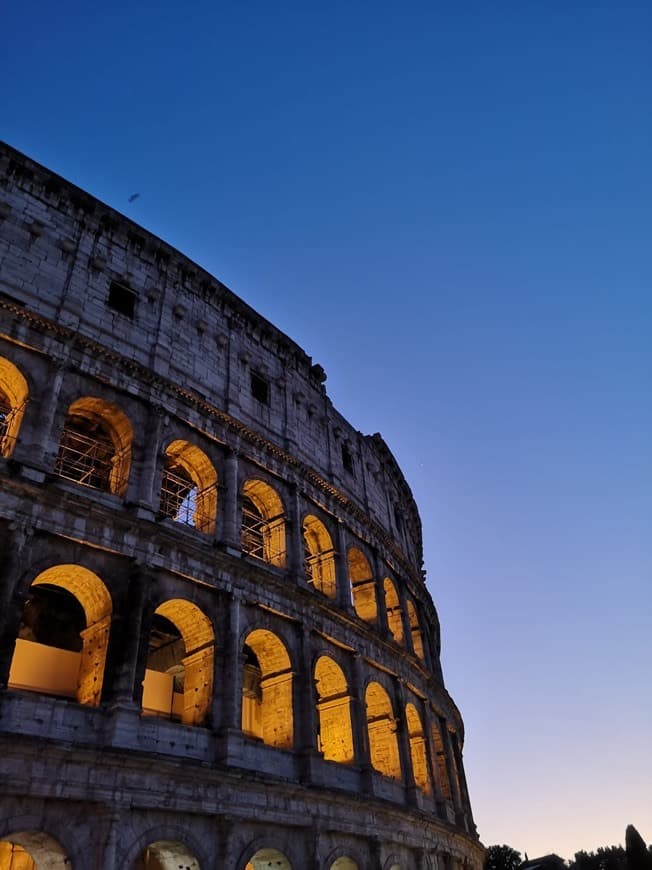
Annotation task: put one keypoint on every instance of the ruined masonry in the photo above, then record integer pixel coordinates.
(216, 646)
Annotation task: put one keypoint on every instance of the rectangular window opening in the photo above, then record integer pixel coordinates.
(122, 299)
(259, 388)
(347, 459)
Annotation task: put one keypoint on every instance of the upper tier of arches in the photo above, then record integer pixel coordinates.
(180, 479)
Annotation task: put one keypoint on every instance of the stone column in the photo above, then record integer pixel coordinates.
(361, 751)
(225, 828)
(148, 484)
(143, 648)
(227, 701)
(305, 707)
(431, 761)
(381, 605)
(403, 739)
(464, 792)
(375, 852)
(93, 658)
(109, 858)
(230, 517)
(344, 598)
(124, 645)
(450, 765)
(35, 446)
(295, 538)
(16, 540)
(407, 631)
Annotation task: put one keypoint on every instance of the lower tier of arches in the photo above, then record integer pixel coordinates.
(80, 810)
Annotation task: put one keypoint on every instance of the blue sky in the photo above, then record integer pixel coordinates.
(448, 206)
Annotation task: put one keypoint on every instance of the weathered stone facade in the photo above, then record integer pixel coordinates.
(216, 646)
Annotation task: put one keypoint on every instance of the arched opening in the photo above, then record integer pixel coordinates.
(268, 859)
(95, 446)
(63, 635)
(263, 523)
(166, 855)
(334, 709)
(363, 586)
(189, 487)
(417, 748)
(319, 556)
(394, 612)
(415, 629)
(13, 400)
(32, 850)
(381, 727)
(267, 690)
(344, 863)
(178, 680)
(440, 758)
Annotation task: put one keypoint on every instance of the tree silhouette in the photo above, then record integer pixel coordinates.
(605, 858)
(638, 856)
(501, 858)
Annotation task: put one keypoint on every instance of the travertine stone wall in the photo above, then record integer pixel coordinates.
(353, 748)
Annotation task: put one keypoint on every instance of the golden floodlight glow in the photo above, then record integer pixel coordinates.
(38, 668)
(198, 640)
(334, 708)
(394, 612)
(274, 700)
(381, 727)
(320, 561)
(189, 487)
(417, 749)
(13, 399)
(363, 585)
(95, 446)
(263, 523)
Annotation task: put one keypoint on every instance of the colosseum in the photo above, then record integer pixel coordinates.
(217, 649)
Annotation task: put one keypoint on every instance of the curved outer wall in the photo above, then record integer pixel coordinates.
(98, 312)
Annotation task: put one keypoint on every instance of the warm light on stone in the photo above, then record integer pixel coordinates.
(217, 648)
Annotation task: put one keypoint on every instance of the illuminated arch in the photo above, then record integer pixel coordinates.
(263, 523)
(334, 710)
(13, 399)
(166, 855)
(267, 690)
(189, 487)
(363, 586)
(95, 446)
(266, 858)
(344, 863)
(394, 611)
(381, 727)
(178, 681)
(60, 651)
(30, 850)
(440, 758)
(319, 556)
(418, 754)
(415, 629)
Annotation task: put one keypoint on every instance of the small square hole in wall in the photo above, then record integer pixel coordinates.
(122, 299)
(347, 459)
(259, 388)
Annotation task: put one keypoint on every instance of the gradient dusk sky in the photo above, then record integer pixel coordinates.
(449, 206)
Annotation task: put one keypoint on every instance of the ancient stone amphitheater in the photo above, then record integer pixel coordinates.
(216, 646)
